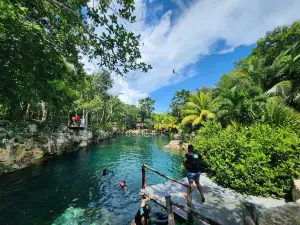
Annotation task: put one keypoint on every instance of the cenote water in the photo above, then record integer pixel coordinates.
(71, 189)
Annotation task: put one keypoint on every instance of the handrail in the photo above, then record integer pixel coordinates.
(165, 176)
(182, 207)
(191, 211)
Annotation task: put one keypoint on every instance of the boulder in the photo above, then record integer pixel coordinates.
(288, 214)
(177, 145)
(296, 190)
(83, 144)
(178, 137)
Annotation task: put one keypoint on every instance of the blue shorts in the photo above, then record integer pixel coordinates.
(193, 177)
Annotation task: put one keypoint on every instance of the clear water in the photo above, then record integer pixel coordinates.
(71, 189)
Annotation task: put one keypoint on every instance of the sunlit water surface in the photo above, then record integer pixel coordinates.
(71, 189)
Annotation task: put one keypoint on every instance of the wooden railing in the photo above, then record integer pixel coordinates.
(169, 203)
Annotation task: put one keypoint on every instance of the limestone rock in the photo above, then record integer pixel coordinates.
(49, 147)
(296, 190)
(19, 153)
(83, 144)
(178, 137)
(32, 156)
(298, 201)
(4, 156)
(288, 214)
(28, 144)
(177, 145)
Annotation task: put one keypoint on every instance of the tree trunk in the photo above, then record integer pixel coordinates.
(44, 115)
(86, 119)
(27, 111)
(102, 115)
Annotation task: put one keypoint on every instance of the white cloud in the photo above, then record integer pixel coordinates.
(126, 94)
(183, 41)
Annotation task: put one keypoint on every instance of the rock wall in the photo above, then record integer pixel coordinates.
(32, 144)
(296, 191)
(288, 214)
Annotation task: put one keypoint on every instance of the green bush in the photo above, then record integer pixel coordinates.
(257, 159)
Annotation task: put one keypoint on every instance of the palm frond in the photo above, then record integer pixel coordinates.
(283, 89)
(188, 119)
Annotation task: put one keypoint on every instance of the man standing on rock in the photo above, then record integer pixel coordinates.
(191, 162)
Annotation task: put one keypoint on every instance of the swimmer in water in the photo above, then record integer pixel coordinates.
(124, 185)
(105, 172)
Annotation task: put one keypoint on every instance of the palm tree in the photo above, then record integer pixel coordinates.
(197, 109)
(278, 114)
(243, 105)
(159, 122)
(286, 78)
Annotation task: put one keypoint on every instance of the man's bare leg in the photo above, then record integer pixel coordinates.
(200, 190)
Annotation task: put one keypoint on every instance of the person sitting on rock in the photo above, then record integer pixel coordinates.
(192, 162)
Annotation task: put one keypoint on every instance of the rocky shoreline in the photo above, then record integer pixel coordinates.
(33, 144)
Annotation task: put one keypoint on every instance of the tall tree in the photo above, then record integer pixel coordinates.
(146, 107)
(178, 101)
(42, 43)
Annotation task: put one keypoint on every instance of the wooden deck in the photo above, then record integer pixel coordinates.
(222, 206)
(208, 209)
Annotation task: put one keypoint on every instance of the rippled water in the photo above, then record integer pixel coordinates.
(71, 189)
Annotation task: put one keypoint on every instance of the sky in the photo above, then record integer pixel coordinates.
(200, 39)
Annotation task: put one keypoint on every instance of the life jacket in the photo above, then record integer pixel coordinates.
(193, 162)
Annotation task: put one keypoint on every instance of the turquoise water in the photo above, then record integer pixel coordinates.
(71, 189)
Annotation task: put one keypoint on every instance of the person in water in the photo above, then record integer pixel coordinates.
(105, 172)
(192, 162)
(124, 185)
(143, 214)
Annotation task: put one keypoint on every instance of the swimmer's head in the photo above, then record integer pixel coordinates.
(123, 183)
(105, 171)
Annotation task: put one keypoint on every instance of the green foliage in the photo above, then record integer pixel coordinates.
(197, 109)
(258, 159)
(165, 122)
(178, 101)
(240, 103)
(278, 115)
(146, 107)
(42, 44)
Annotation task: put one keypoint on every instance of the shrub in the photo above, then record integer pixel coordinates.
(257, 159)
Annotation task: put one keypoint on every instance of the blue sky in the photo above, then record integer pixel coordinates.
(208, 72)
(200, 39)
